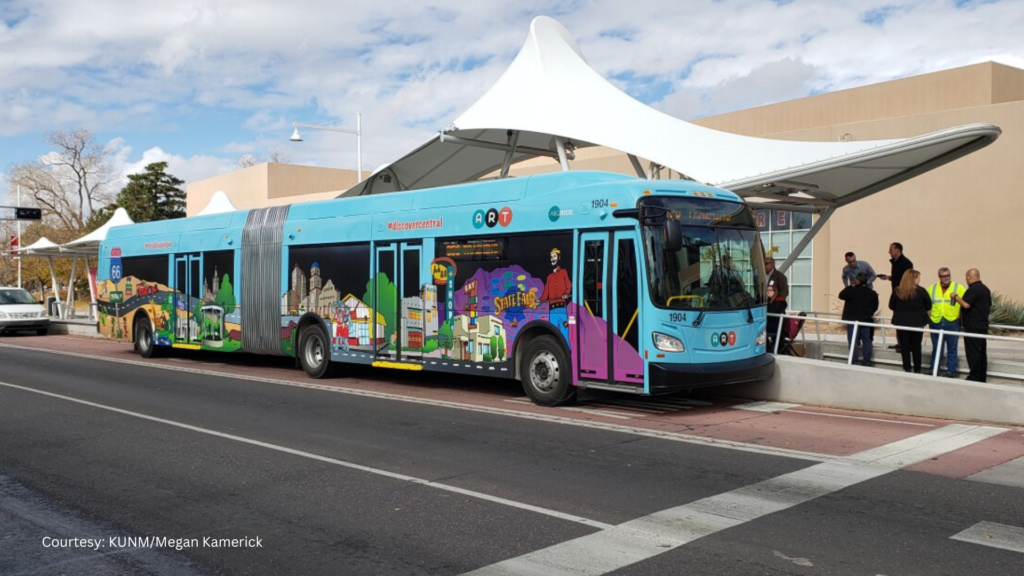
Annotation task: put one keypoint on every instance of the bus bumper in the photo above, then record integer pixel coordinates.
(668, 378)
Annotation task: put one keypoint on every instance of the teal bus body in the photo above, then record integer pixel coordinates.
(563, 280)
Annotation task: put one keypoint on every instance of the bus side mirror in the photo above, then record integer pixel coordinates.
(673, 235)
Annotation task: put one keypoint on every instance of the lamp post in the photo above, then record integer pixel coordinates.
(296, 137)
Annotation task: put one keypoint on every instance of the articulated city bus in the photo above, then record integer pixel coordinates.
(566, 281)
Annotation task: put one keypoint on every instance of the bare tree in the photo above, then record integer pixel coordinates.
(70, 182)
(276, 156)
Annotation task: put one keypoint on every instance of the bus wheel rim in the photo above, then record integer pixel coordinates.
(544, 371)
(144, 339)
(314, 352)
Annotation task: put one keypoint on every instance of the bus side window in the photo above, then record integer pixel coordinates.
(593, 282)
(627, 301)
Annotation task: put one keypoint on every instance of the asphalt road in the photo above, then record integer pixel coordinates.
(335, 483)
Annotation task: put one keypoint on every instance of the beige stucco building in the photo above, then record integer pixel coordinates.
(965, 214)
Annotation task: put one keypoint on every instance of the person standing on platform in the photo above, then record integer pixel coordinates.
(776, 305)
(976, 304)
(900, 265)
(854, 267)
(776, 279)
(945, 315)
(861, 303)
(910, 307)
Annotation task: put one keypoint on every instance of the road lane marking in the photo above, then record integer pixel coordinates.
(1006, 474)
(775, 407)
(883, 420)
(994, 535)
(310, 455)
(554, 419)
(649, 536)
(765, 406)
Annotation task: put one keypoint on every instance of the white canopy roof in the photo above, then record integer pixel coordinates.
(549, 92)
(41, 247)
(219, 204)
(90, 243)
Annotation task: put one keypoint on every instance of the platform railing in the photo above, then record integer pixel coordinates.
(857, 325)
(887, 321)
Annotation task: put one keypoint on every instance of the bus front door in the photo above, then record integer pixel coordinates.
(607, 320)
(403, 312)
(188, 299)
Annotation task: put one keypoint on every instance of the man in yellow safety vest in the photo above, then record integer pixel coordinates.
(945, 316)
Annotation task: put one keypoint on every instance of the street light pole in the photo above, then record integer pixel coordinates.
(19, 238)
(358, 133)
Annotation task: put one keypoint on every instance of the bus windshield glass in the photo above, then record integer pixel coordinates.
(720, 265)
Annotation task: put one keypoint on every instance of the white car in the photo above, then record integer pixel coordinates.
(20, 311)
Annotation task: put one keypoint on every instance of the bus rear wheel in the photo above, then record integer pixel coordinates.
(314, 352)
(144, 341)
(544, 371)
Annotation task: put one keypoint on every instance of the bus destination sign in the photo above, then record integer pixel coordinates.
(475, 250)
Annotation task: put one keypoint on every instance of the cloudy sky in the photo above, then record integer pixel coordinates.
(201, 83)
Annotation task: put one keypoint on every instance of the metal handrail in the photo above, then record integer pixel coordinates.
(996, 326)
(856, 324)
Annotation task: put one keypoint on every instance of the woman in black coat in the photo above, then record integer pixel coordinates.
(911, 307)
(776, 305)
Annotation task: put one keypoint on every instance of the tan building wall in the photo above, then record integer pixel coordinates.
(965, 214)
(270, 184)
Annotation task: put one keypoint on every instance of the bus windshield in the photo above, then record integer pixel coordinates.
(720, 265)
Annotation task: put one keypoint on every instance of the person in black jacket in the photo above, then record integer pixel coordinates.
(975, 306)
(911, 307)
(776, 305)
(861, 303)
(899, 266)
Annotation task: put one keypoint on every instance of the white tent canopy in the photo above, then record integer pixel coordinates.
(550, 101)
(219, 204)
(90, 243)
(42, 247)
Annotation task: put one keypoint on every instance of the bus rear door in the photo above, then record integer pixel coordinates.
(188, 298)
(399, 305)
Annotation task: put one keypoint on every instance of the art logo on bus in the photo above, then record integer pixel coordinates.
(723, 339)
(492, 218)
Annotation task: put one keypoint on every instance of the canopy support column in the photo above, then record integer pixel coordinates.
(563, 159)
(53, 281)
(71, 288)
(636, 166)
(513, 140)
(803, 244)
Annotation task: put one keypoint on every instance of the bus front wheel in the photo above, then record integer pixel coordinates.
(144, 341)
(314, 352)
(544, 371)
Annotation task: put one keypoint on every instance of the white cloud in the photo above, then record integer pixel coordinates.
(411, 66)
(188, 169)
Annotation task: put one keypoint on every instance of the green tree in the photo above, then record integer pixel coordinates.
(152, 195)
(500, 353)
(387, 301)
(226, 295)
(444, 336)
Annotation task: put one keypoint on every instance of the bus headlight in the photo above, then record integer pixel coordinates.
(761, 340)
(667, 343)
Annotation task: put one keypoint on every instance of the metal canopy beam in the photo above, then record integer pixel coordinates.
(799, 248)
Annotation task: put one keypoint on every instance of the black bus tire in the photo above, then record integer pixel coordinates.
(544, 372)
(144, 340)
(315, 352)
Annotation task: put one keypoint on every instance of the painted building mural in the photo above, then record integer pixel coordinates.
(203, 312)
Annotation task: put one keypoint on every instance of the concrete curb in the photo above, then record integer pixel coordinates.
(816, 383)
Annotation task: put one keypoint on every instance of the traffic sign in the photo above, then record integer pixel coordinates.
(116, 297)
(18, 213)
